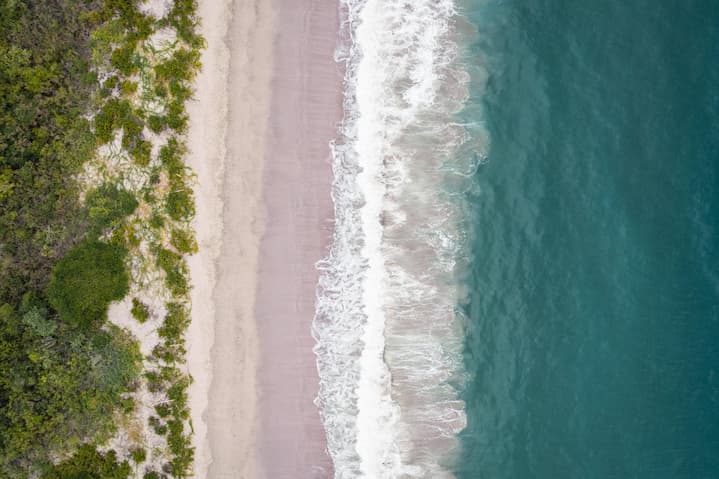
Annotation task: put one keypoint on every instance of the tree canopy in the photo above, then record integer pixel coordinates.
(86, 280)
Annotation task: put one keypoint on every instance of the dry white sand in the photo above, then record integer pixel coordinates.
(226, 142)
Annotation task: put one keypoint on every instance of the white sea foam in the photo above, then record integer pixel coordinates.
(389, 339)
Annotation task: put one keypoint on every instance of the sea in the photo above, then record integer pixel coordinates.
(523, 280)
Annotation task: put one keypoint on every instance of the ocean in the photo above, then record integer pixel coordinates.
(524, 275)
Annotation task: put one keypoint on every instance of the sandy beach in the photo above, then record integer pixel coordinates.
(266, 107)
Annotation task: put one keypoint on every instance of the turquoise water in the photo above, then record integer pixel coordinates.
(592, 342)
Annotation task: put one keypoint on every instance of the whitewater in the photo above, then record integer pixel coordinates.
(388, 327)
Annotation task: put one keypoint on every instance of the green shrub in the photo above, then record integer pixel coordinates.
(175, 323)
(157, 221)
(182, 17)
(116, 113)
(183, 241)
(162, 410)
(156, 123)
(127, 404)
(123, 58)
(139, 310)
(141, 152)
(139, 455)
(171, 158)
(132, 131)
(157, 425)
(181, 66)
(87, 463)
(168, 353)
(107, 205)
(180, 204)
(154, 381)
(175, 271)
(86, 281)
(180, 90)
(160, 90)
(176, 117)
(128, 87)
(112, 82)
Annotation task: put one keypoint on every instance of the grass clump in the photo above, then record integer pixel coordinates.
(139, 311)
(183, 241)
(175, 270)
(139, 455)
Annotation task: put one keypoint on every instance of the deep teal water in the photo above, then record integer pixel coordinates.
(593, 326)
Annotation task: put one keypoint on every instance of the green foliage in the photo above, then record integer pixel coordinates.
(112, 82)
(86, 280)
(87, 463)
(141, 152)
(107, 205)
(117, 113)
(44, 136)
(156, 123)
(127, 404)
(171, 158)
(139, 455)
(128, 87)
(180, 90)
(157, 221)
(35, 318)
(123, 58)
(160, 91)
(64, 376)
(113, 115)
(139, 310)
(183, 18)
(181, 447)
(180, 204)
(183, 241)
(58, 390)
(162, 410)
(181, 66)
(176, 321)
(175, 270)
(177, 119)
(158, 426)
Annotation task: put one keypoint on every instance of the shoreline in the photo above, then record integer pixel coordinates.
(267, 104)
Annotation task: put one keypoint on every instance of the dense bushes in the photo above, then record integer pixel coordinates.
(58, 386)
(87, 463)
(86, 281)
(64, 372)
(45, 90)
(107, 205)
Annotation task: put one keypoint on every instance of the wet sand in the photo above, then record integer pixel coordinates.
(305, 111)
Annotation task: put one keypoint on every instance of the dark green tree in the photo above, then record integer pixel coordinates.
(86, 281)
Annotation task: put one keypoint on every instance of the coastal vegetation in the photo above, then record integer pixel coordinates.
(95, 205)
